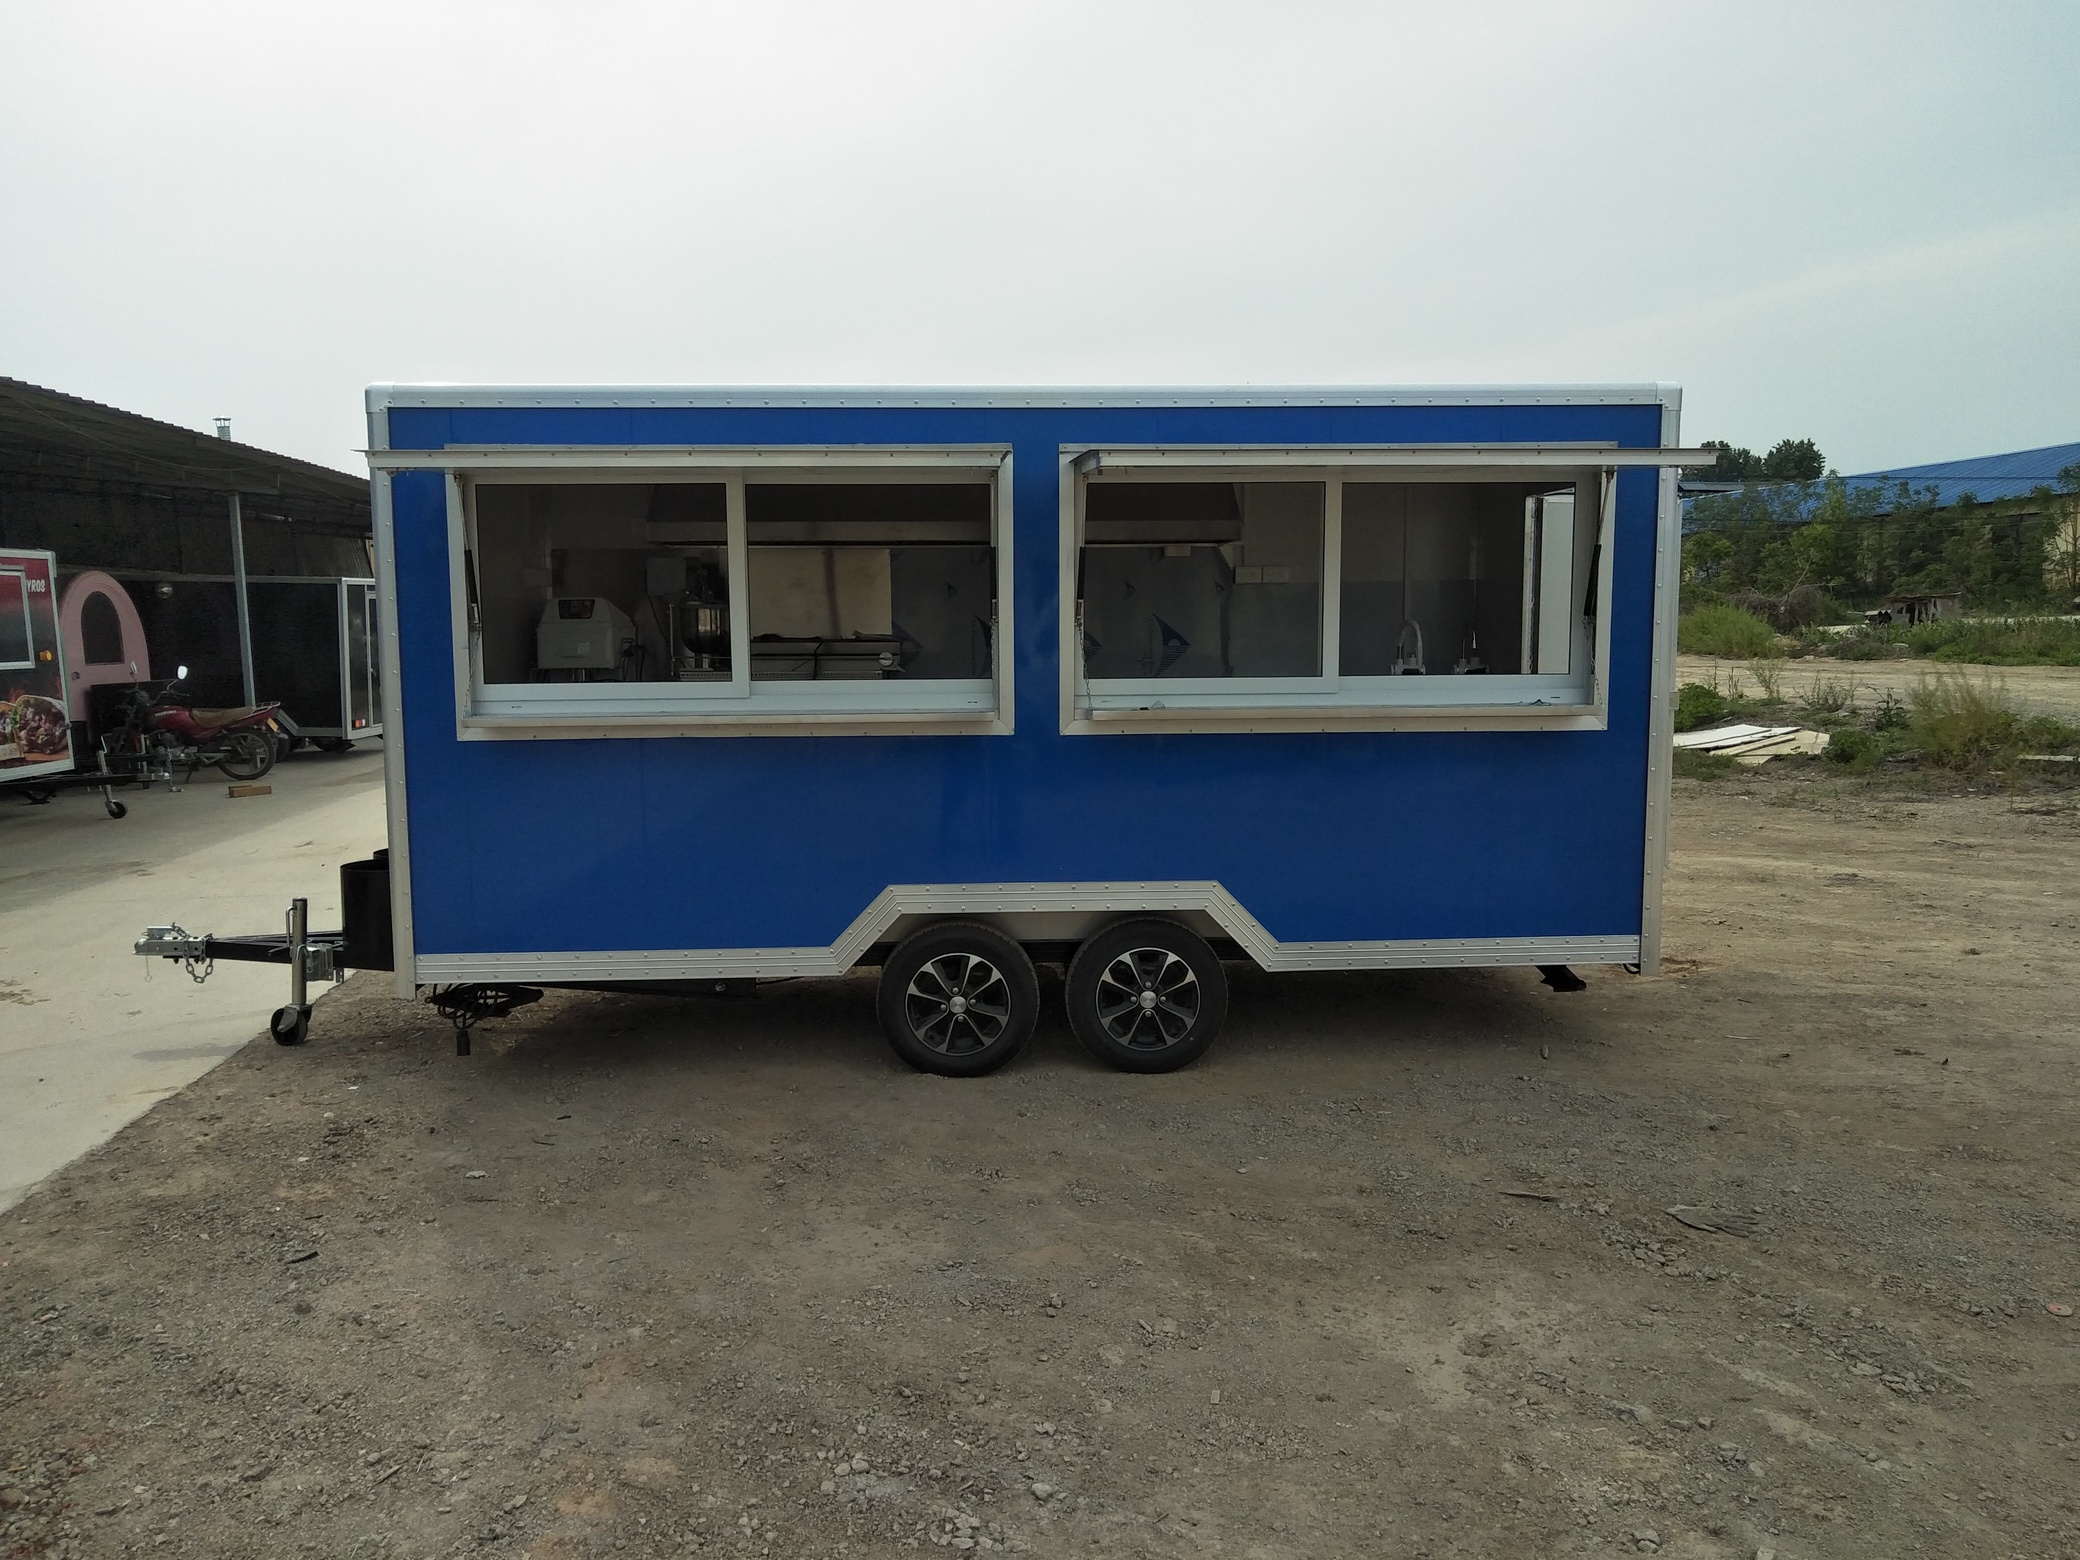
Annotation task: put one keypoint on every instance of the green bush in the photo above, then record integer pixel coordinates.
(1856, 748)
(1874, 642)
(2043, 734)
(1697, 705)
(1999, 641)
(1725, 631)
(1692, 765)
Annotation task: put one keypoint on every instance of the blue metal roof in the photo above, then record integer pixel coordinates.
(1985, 477)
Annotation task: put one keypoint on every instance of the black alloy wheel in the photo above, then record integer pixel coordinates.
(958, 998)
(1146, 996)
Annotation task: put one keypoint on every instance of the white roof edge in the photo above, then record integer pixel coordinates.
(383, 396)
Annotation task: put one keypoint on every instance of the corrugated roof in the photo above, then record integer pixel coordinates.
(1986, 477)
(46, 435)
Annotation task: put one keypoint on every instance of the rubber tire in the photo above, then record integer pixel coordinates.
(1088, 967)
(253, 755)
(117, 809)
(290, 1025)
(333, 744)
(936, 941)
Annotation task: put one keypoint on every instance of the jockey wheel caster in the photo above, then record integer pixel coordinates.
(290, 1025)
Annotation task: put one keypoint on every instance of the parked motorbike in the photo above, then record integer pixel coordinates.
(161, 734)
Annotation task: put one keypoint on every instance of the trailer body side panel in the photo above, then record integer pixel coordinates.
(782, 842)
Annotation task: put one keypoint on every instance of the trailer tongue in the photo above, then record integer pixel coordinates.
(362, 943)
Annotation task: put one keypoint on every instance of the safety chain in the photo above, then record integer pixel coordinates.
(189, 965)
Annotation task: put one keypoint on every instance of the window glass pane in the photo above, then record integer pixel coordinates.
(870, 581)
(614, 582)
(14, 621)
(1202, 579)
(1447, 578)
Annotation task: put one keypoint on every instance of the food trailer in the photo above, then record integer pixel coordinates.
(46, 739)
(694, 687)
(35, 725)
(314, 654)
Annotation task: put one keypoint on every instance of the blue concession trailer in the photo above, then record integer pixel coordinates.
(688, 687)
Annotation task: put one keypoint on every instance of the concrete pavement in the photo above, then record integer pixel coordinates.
(90, 1034)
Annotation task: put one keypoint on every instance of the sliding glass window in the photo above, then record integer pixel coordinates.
(1268, 590)
(749, 594)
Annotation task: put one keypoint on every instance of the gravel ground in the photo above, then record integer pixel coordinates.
(1389, 1273)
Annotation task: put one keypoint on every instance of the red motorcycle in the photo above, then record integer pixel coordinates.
(241, 741)
(160, 735)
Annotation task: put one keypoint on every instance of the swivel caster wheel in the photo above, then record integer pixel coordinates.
(290, 1025)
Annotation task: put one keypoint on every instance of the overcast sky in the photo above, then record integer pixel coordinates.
(1858, 223)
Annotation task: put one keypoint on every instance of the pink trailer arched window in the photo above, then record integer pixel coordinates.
(103, 637)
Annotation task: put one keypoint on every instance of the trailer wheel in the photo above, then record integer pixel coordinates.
(1146, 996)
(958, 998)
(290, 1025)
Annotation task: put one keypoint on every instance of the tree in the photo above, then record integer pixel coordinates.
(1704, 556)
(1789, 460)
(1733, 465)
(1794, 460)
(1854, 543)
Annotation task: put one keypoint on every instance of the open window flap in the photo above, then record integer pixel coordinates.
(1592, 587)
(1607, 512)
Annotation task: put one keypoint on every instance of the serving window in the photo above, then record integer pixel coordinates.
(767, 595)
(1273, 591)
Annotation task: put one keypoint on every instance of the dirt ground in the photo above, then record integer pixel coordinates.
(2035, 690)
(1389, 1273)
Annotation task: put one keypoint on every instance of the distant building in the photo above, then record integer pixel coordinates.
(141, 508)
(1990, 479)
(1932, 607)
(146, 500)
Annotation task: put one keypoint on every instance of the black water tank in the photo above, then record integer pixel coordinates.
(364, 899)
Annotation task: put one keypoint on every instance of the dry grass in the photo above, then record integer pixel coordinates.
(1962, 722)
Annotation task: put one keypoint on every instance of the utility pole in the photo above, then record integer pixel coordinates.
(238, 575)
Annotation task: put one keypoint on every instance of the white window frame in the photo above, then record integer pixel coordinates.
(742, 706)
(1575, 701)
(28, 625)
